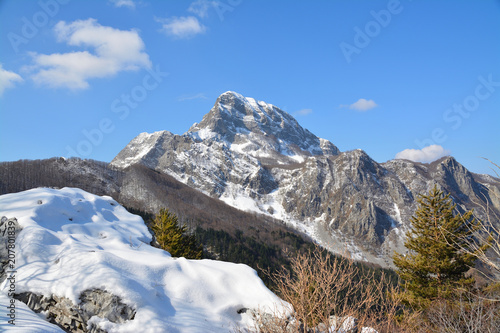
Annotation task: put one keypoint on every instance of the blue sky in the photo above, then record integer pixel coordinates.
(413, 79)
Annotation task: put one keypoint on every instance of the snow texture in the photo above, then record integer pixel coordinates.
(73, 241)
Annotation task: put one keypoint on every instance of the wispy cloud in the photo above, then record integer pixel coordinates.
(191, 97)
(424, 155)
(124, 3)
(8, 79)
(114, 51)
(303, 112)
(361, 105)
(201, 7)
(181, 27)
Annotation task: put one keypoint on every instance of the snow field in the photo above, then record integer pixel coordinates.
(73, 241)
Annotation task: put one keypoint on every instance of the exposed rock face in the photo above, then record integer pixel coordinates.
(237, 129)
(259, 127)
(75, 318)
(256, 157)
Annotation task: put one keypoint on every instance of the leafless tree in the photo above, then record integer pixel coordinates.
(485, 245)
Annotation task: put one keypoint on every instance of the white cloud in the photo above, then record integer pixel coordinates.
(182, 27)
(303, 112)
(8, 79)
(201, 7)
(124, 3)
(361, 105)
(424, 155)
(114, 51)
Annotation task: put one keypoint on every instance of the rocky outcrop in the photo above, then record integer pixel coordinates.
(60, 310)
(75, 318)
(336, 324)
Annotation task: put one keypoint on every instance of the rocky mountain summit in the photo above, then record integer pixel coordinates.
(256, 157)
(257, 128)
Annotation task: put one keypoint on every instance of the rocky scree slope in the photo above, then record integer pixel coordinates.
(256, 157)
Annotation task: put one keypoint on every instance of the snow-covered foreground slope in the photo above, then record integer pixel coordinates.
(74, 241)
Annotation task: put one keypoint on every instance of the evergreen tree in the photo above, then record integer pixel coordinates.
(436, 263)
(173, 238)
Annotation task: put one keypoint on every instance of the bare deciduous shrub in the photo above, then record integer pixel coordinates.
(467, 313)
(327, 292)
(485, 245)
(490, 234)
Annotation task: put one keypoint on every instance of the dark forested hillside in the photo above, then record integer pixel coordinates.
(90, 175)
(146, 191)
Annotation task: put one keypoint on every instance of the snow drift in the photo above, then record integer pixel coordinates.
(73, 241)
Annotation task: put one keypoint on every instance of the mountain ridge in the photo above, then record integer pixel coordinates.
(256, 157)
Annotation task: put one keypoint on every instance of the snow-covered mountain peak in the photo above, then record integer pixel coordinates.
(241, 148)
(258, 128)
(236, 125)
(229, 98)
(143, 147)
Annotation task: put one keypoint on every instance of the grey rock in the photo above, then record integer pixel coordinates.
(74, 318)
(344, 324)
(368, 330)
(105, 305)
(9, 230)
